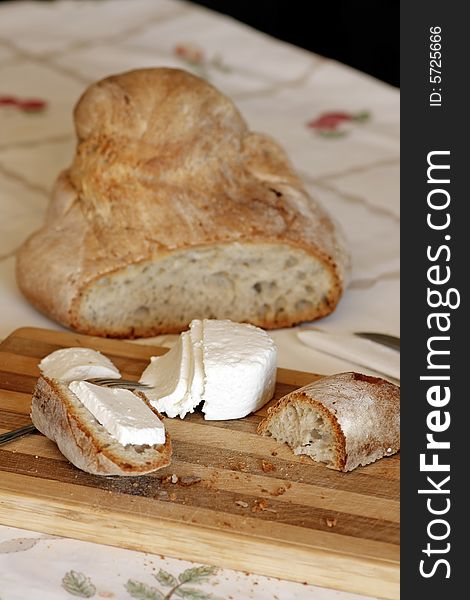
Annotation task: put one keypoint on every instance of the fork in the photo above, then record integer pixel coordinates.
(126, 384)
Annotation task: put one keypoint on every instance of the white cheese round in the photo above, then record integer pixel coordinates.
(69, 364)
(240, 369)
(230, 367)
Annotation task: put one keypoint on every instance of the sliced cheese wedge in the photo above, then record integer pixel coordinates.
(230, 367)
(68, 364)
(172, 377)
(123, 414)
(197, 383)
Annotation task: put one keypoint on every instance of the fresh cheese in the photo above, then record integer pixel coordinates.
(229, 367)
(69, 364)
(240, 369)
(197, 383)
(123, 414)
(177, 377)
(169, 377)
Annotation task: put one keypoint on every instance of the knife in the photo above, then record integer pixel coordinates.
(376, 351)
(391, 341)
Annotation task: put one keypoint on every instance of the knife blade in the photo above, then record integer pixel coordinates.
(391, 341)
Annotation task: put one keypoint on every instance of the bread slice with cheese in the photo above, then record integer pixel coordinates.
(345, 420)
(174, 210)
(227, 368)
(61, 416)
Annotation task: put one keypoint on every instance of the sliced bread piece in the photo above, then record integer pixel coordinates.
(345, 420)
(58, 414)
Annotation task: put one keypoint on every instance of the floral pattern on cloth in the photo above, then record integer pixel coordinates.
(27, 105)
(78, 584)
(194, 58)
(337, 124)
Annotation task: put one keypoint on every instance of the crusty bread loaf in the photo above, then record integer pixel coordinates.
(173, 210)
(344, 420)
(60, 416)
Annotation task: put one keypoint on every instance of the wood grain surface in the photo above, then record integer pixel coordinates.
(241, 501)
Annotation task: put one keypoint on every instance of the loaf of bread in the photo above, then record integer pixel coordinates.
(344, 420)
(58, 414)
(173, 210)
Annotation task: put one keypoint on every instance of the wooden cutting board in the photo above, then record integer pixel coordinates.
(241, 501)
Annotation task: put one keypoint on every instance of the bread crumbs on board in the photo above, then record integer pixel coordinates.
(267, 466)
(242, 466)
(261, 506)
(278, 492)
(187, 480)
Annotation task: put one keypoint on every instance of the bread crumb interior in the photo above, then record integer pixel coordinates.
(306, 431)
(243, 282)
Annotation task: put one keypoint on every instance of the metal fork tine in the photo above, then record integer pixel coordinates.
(127, 385)
(120, 383)
(391, 341)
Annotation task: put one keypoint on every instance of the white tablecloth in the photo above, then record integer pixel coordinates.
(50, 51)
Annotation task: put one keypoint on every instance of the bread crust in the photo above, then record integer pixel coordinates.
(58, 414)
(363, 411)
(165, 162)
